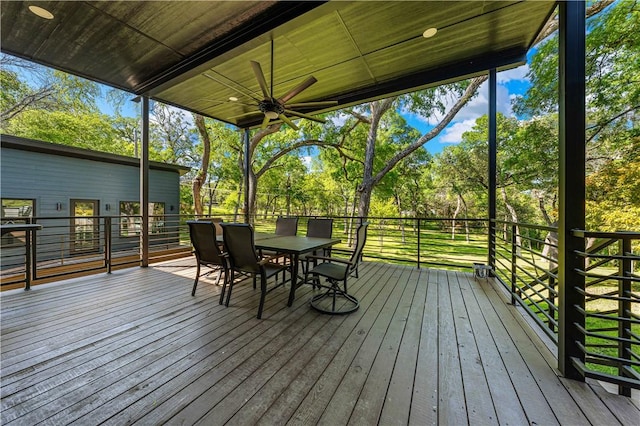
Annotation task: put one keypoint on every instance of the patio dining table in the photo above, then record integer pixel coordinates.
(294, 246)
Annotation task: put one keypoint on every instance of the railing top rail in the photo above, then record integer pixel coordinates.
(527, 225)
(599, 234)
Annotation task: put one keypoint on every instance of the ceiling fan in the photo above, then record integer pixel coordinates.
(277, 108)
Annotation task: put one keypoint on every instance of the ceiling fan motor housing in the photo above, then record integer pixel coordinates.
(271, 105)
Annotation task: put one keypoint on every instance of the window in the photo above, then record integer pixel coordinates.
(15, 211)
(130, 220)
(16, 208)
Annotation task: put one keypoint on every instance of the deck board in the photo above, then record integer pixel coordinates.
(426, 347)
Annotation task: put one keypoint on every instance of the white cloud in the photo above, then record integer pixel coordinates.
(519, 74)
(453, 133)
(479, 105)
(339, 119)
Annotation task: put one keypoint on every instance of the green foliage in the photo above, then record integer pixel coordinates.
(84, 130)
(613, 197)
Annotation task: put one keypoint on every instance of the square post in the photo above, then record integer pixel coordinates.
(144, 184)
(247, 164)
(571, 212)
(493, 153)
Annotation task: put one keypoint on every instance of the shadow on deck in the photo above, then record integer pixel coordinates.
(426, 347)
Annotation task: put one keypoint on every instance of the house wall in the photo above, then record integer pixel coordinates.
(50, 179)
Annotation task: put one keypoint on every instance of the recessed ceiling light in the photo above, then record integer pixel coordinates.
(429, 32)
(43, 13)
(233, 99)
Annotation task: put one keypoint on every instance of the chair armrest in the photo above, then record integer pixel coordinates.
(329, 259)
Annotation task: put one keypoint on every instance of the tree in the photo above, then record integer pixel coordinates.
(613, 104)
(30, 87)
(215, 161)
(268, 147)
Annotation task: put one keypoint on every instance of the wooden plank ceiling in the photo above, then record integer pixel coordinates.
(196, 55)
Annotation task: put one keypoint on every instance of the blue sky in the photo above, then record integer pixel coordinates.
(509, 84)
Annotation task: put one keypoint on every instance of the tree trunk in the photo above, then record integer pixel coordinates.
(378, 108)
(514, 219)
(453, 222)
(201, 176)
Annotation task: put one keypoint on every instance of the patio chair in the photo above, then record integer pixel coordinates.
(243, 258)
(286, 227)
(336, 300)
(318, 228)
(207, 251)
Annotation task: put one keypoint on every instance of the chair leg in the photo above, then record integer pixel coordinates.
(263, 293)
(224, 285)
(231, 281)
(195, 283)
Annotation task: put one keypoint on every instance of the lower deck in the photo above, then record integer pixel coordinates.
(426, 347)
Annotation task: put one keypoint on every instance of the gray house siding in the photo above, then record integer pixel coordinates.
(35, 170)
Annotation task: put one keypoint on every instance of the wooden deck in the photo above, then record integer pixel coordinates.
(426, 347)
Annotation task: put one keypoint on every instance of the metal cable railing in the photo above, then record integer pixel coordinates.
(526, 264)
(611, 309)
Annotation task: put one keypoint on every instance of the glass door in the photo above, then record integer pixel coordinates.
(85, 226)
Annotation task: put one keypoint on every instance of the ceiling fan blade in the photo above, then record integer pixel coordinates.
(288, 121)
(313, 104)
(293, 92)
(238, 89)
(265, 122)
(247, 114)
(257, 70)
(307, 116)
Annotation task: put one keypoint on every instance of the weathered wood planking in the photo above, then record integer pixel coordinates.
(425, 347)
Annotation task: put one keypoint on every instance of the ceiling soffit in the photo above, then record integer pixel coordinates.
(196, 55)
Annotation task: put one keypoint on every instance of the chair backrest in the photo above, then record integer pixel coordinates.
(203, 239)
(240, 246)
(361, 239)
(287, 226)
(320, 228)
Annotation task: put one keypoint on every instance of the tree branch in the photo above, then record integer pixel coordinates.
(601, 126)
(462, 101)
(552, 24)
(269, 164)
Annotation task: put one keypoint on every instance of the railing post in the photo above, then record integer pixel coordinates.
(571, 184)
(552, 302)
(28, 260)
(107, 243)
(418, 243)
(514, 259)
(624, 311)
(492, 169)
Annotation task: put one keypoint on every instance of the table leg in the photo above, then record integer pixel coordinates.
(294, 279)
